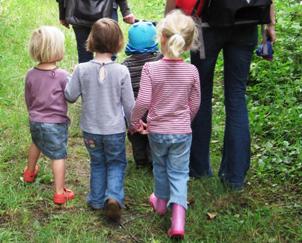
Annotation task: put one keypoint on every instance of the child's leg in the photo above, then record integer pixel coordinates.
(139, 148)
(114, 147)
(95, 148)
(58, 169)
(178, 171)
(33, 156)
(62, 194)
(31, 170)
(159, 152)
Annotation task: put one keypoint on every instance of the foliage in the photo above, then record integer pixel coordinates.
(275, 101)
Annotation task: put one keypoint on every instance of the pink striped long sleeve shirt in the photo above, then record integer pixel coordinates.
(170, 92)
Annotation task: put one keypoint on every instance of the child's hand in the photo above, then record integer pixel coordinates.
(143, 128)
(74, 68)
(140, 128)
(129, 19)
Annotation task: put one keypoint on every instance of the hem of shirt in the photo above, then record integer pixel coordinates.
(169, 131)
(50, 121)
(102, 132)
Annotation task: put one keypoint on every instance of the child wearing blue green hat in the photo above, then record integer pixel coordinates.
(142, 47)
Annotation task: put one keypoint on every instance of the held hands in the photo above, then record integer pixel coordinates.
(141, 128)
(129, 19)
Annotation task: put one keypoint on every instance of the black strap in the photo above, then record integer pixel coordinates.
(195, 9)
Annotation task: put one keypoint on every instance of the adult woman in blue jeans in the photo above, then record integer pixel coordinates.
(237, 43)
(82, 23)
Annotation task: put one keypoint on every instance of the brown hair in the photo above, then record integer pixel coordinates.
(105, 36)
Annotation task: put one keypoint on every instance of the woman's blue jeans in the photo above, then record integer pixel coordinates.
(107, 168)
(237, 44)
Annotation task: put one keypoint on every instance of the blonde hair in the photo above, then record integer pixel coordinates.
(105, 36)
(47, 44)
(180, 32)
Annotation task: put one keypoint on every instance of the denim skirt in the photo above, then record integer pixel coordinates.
(50, 138)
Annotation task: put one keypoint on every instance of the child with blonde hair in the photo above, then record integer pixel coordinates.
(107, 96)
(44, 96)
(170, 92)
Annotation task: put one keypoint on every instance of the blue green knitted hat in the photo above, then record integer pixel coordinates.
(141, 38)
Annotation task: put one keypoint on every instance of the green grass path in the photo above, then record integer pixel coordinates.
(263, 213)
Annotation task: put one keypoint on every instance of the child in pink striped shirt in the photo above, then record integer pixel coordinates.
(170, 92)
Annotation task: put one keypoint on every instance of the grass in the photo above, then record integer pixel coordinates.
(265, 212)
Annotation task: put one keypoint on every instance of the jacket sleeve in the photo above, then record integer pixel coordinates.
(73, 87)
(194, 100)
(123, 4)
(61, 9)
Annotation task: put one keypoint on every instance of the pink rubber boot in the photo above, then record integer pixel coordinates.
(177, 229)
(158, 205)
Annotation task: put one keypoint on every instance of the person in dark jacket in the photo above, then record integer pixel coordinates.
(140, 51)
(237, 41)
(81, 22)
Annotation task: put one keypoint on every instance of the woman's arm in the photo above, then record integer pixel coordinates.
(62, 13)
(128, 17)
(170, 5)
(270, 28)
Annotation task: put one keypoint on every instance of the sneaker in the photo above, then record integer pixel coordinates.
(113, 210)
(64, 197)
(29, 176)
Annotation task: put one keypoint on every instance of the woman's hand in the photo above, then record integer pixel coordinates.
(129, 19)
(64, 23)
(271, 32)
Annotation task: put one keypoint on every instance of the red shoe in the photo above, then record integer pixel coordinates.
(29, 176)
(64, 197)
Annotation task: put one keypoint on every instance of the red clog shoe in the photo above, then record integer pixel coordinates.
(29, 176)
(64, 197)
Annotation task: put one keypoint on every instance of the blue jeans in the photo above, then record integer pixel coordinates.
(107, 168)
(170, 154)
(238, 44)
(81, 34)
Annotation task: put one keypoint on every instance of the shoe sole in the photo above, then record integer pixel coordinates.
(176, 234)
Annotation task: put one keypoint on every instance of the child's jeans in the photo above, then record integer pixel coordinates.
(107, 168)
(170, 154)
